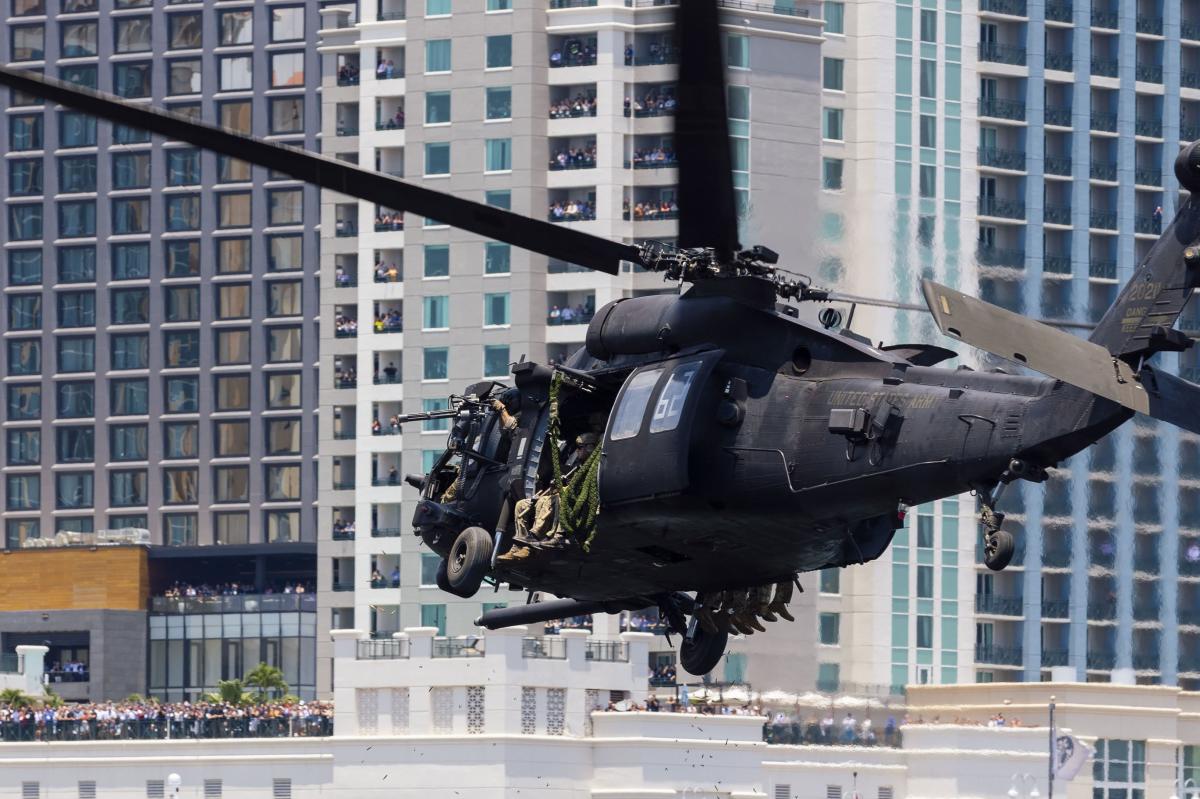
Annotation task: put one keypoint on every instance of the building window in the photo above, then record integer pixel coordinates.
(1119, 769)
(283, 437)
(79, 40)
(130, 351)
(76, 354)
(283, 526)
(495, 309)
(77, 219)
(927, 180)
(437, 260)
(73, 490)
(130, 306)
(232, 439)
(237, 74)
(183, 77)
(128, 488)
(283, 482)
(25, 132)
(832, 129)
(831, 581)
(76, 174)
(437, 8)
(28, 8)
(128, 442)
(183, 257)
(925, 582)
(925, 532)
(283, 298)
(24, 447)
(25, 222)
(283, 344)
(24, 177)
(179, 529)
(77, 398)
(287, 24)
(233, 256)
(28, 43)
(497, 155)
(830, 628)
(233, 393)
(133, 34)
(77, 309)
(184, 32)
(233, 301)
(437, 55)
(928, 130)
(497, 258)
(233, 347)
(131, 215)
(737, 51)
(831, 173)
(183, 166)
(835, 16)
(924, 632)
(183, 303)
(232, 528)
(181, 348)
(233, 210)
(437, 313)
(828, 677)
(183, 212)
(130, 397)
(285, 206)
(287, 115)
(283, 391)
(24, 357)
(131, 171)
(132, 79)
(928, 26)
(24, 403)
(437, 108)
(285, 253)
(498, 102)
(231, 483)
(287, 70)
(928, 78)
(24, 267)
(499, 198)
(179, 486)
(499, 51)
(834, 74)
(86, 75)
(496, 360)
(25, 311)
(237, 27)
(499, 5)
(131, 261)
(434, 616)
(437, 158)
(23, 491)
(437, 363)
(123, 134)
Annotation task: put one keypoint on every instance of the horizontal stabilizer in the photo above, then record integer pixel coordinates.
(1039, 346)
(1172, 399)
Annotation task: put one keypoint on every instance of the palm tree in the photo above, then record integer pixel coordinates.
(15, 697)
(268, 680)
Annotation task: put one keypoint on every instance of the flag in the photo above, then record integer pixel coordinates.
(1069, 756)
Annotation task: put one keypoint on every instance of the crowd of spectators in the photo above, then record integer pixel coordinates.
(574, 158)
(387, 272)
(345, 227)
(572, 211)
(343, 529)
(659, 53)
(180, 589)
(347, 75)
(71, 671)
(394, 122)
(664, 209)
(345, 326)
(379, 581)
(389, 220)
(392, 428)
(643, 621)
(386, 69)
(792, 729)
(341, 278)
(389, 321)
(654, 157)
(655, 102)
(662, 675)
(573, 53)
(107, 721)
(555, 626)
(580, 314)
(578, 106)
(346, 378)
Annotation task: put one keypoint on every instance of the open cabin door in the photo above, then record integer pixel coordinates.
(650, 428)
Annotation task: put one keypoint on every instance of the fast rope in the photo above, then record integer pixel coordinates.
(579, 498)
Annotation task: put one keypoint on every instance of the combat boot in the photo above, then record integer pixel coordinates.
(704, 617)
(764, 604)
(517, 553)
(740, 626)
(749, 619)
(783, 595)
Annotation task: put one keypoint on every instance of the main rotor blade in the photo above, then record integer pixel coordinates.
(707, 210)
(553, 240)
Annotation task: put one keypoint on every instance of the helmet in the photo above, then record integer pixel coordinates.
(512, 400)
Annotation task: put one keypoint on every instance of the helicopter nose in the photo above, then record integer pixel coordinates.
(1187, 167)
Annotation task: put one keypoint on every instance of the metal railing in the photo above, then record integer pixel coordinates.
(9, 663)
(1145, 661)
(164, 728)
(343, 485)
(1056, 608)
(998, 655)
(1190, 617)
(1102, 611)
(382, 649)
(552, 648)
(1056, 264)
(1148, 73)
(1147, 177)
(995, 256)
(1101, 660)
(997, 605)
(385, 532)
(613, 651)
(1002, 109)
(1002, 53)
(1148, 24)
(1000, 207)
(343, 586)
(343, 535)
(1001, 158)
(1147, 224)
(1058, 115)
(1103, 220)
(1102, 269)
(343, 435)
(1014, 8)
(1189, 78)
(1189, 30)
(1104, 121)
(1054, 657)
(345, 129)
(1145, 611)
(388, 380)
(1063, 62)
(465, 647)
(1105, 67)
(1057, 214)
(1056, 557)
(242, 603)
(1060, 11)
(1103, 170)
(1105, 19)
(657, 111)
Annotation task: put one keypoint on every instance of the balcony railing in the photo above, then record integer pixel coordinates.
(1103, 220)
(1190, 617)
(347, 129)
(343, 535)
(344, 228)
(1189, 78)
(551, 648)
(465, 647)
(388, 380)
(1056, 608)
(1148, 127)
(1147, 224)
(1103, 170)
(652, 163)
(152, 728)
(1189, 30)
(1057, 214)
(572, 3)
(999, 207)
(1105, 67)
(1058, 115)
(996, 256)
(242, 603)
(1145, 611)
(1149, 73)
(612, 651)
(1148, 24)
(997, 605)
(343, 485)
(345, 382)
(1060, 12)
(1002, 109)
(1002, 159)
(382, 649)
(343, 586)
(1014, 8)
(9, 663)
(343, 435)
(1064, 62)
(1106, 270)
(1102, 610)
(1101, 660)
(1056, 264)
(1105, 19)
(1147, 177)
(385, 532)
(1104, 121)
(1002, 53)
(998, 655)
(1054, 657)
(1056, 557)
(1145, 661)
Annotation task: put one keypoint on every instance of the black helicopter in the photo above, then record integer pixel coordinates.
(704, 448)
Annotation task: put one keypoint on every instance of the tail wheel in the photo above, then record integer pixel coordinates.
(468, 561)
(701, 651)
(998, 549)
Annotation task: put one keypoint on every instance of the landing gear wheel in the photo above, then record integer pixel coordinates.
(998, 548)
(701, 651)
(443, 582)
(468, 561)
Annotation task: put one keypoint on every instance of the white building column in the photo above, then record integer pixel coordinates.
(639, 664)
(345, 700)
(33, 667)
(502, 698)
(420, 702)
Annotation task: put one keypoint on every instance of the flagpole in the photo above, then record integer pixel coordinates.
(1050, 773)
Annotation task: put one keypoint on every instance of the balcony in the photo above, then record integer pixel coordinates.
(1060, 12)
(1189, 30)
(1057, 166)
(1103, 170)
(1145, 661)
(1058, 115)
(1002, 53)
(1148, 24)
(344, 228)
(999, 207)
(1056, 608)
(998, 655)
(1189, 78)
(343, 435)
(1105, 19)
(385, 532)
(1105, 610)
(241, 603)
(1105, 270)
(1057, 557)
(1013, 8)
(1148, 127)
(343, 535)
(996, 605)
(608, 651)
(1191, 618)
(1146, 611)
(1147, 224)
(1002, 159)
(347, 128)
(1149, 73)
(384, 379)
(1002, 109)
(344, 381)
(995, 256)
(1147, 177)
(545, 648)
(1064, 62)
(342, 485)
(1057, 214)
(1054, 657)
(468, 646)
(382, 649)
(1103, 220)
(1105, 67)
(1101, 660)
(1056, 265)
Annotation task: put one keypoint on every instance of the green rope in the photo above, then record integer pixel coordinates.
(578, 499)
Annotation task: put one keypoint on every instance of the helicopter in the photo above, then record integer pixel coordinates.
(704, 448)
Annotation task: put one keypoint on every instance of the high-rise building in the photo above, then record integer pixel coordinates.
(560, 111)
(160, 349)
(1022, 149)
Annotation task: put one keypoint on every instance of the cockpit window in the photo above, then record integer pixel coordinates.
(671, 400)
(628, 418)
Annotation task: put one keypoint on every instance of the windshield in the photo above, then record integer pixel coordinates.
(628, 418)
